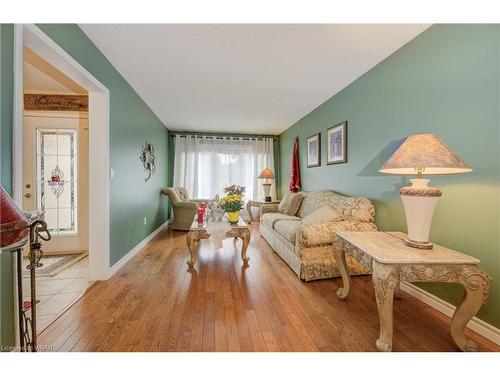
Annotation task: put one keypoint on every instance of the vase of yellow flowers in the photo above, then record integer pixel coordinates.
(233, 202)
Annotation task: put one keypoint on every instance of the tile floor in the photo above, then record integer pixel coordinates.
(58, 292)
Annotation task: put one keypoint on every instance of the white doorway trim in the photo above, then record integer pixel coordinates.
(99, 158)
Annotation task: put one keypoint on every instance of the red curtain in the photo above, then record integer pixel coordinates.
(295, 170)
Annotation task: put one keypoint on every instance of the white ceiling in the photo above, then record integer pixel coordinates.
(243, 78)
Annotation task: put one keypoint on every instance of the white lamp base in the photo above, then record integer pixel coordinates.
(267, 191)
(419, 202)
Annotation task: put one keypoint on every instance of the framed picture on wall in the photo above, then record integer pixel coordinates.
(336, 148)
(314, 150)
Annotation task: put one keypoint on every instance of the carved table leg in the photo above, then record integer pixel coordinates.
(193, 241)
(385, 278)
(245, 237)
(397, 289)
(249, 209)
(477, 289)
(343, 291)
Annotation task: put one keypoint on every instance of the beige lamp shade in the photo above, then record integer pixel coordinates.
(424, 153)
(266, 174)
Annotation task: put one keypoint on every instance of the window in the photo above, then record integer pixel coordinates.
(205, 165)
(56, 156)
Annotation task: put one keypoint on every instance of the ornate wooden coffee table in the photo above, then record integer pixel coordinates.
(391, 261)
(198, 232)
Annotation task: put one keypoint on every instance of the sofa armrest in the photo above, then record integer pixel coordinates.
(191, 205)
(269, 208)
(322, 233)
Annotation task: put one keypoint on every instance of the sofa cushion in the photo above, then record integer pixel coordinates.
(271, 218)
(354, 208)
(325, 214)
(288, 229)
(183, 193)
(290, 204)
(325, 232)
(350, 208)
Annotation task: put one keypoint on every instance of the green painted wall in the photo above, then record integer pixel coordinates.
(131, 124)
(6, 103)
(446, 81)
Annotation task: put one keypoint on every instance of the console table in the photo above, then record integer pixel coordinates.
(391, 261)
(259, 204)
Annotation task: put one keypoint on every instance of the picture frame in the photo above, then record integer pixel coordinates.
(336, 147)
(314, 150)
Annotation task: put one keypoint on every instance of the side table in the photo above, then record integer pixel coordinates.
(391, 261)
(259, 204)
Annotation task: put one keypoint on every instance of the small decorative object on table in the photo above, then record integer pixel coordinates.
(200, 215)
(233, 202)
(215, 211)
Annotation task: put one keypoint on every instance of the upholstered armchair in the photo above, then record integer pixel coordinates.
(183, 208)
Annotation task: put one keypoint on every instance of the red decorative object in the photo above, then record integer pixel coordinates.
(295, 169)
(13, 223)
(200, 215)
(27, 304)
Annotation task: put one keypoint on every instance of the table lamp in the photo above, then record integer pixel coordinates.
(266, 174)
(422, 154)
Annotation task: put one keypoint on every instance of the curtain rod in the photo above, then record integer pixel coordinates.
(260, 138)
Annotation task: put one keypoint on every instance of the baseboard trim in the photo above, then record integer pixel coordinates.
(477, 325)
(141, 245)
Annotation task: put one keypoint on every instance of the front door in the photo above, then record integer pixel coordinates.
(55, 176)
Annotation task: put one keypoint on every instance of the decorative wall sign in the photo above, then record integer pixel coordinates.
(47, 102)
(148, 159)
(336, 148)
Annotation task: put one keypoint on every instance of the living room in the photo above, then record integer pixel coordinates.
(268, 186)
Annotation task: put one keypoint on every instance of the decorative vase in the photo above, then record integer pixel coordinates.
(419, 202)
(233, 217)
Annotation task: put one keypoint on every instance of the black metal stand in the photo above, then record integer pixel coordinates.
(20, 309)
(27, 322)
(38, 230)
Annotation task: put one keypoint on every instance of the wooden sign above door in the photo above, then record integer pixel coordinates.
(49, 102)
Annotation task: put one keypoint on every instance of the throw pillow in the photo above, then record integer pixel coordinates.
(325, 214)
(290, 204)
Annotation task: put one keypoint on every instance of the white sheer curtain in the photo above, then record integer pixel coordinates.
(206, 165)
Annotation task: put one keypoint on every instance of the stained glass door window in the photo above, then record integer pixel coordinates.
(57, 178)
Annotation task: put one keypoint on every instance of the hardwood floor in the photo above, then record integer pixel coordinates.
(154, 303)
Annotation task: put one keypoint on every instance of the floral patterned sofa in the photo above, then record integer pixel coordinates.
(305, 240)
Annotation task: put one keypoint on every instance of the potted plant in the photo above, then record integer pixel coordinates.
(233, 202)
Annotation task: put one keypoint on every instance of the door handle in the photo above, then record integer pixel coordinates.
(27, 195)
